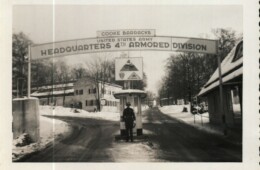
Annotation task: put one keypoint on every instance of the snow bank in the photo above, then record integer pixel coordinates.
(174, 109)
(144, 107)
(199, 121)
(50, 129)
(22, 140)
(68, 112)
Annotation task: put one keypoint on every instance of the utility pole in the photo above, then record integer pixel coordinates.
(221, 93)
(29, 73)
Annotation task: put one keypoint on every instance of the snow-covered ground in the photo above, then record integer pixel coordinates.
(139, 151)
(133, 152)
(63, 111)
(199, 121)
(50, 129)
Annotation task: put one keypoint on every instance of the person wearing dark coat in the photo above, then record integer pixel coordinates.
(129, 118)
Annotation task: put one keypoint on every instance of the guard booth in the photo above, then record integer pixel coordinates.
(128, 70)
(133, 96)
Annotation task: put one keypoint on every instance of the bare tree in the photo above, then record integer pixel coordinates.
(63, 77)
(186, 73)
(226, 40)
(41, 73)
(20, 43)
(78, 72)
(100, 71)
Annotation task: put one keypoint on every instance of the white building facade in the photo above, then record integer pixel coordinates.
(85, 93)
(89, 93)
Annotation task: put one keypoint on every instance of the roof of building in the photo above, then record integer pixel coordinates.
(129, 92)
(230, 69)
(61, 85)
(58, 89)
(55, 92)
(55, 84)
(70, 84)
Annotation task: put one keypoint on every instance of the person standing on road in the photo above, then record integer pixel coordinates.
(129, 118)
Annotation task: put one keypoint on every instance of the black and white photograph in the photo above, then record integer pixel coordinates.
(97, 83)
(128, 83)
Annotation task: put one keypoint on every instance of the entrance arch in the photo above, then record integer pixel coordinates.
(122, 42)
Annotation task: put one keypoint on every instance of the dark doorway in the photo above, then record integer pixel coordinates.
(80, 105)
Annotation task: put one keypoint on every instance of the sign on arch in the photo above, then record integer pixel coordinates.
(122, 43)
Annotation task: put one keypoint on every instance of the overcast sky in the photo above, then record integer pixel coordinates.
(46, 23)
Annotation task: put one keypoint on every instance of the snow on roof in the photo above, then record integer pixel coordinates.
(130, 91)
(57, 86)
(46, 87)
(59, 92)
(110, 98)
(227, 65)
(225, 79)
(24, 98)
(166, 98)
(70, 84)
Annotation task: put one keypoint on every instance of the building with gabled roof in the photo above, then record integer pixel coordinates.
(232, 78)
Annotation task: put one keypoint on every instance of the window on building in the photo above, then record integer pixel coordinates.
(91, 102)
(80, 92)
(76, 92)
(86, 103)
(239, 52)
(94, 90)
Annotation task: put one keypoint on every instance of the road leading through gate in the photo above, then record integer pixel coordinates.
(125, 40)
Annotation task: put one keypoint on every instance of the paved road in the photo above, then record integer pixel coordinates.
(180, 142)
(92, 141)
(88, 142)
